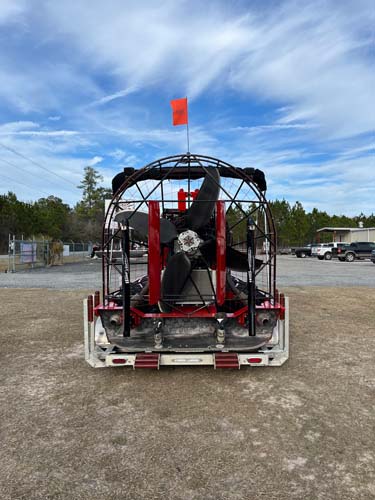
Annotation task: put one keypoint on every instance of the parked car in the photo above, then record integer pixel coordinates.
(308, 250)
(324, 252)
(302, 252)
(354, 251)
(315, 248)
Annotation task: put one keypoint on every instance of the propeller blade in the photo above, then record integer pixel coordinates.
(174, 278)
(139, 222)
(235, 260)
(208, 251)
(201, 210)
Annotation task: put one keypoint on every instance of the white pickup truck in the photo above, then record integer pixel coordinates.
(324, 251)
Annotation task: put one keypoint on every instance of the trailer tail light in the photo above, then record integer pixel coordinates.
(254, 360)
(119, 361)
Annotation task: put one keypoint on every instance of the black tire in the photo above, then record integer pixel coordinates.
(328, 256)
(320, 258)
(302, 255)
(349, 257)
(342, 259)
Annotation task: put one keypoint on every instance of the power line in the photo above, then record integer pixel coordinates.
(23, 184)
(20, 168)
(16, 166)
(36, 163)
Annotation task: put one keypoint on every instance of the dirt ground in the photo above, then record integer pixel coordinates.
(302, 431)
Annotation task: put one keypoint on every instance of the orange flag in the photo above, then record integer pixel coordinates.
(180, 111)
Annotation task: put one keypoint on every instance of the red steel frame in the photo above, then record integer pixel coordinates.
(154, 257)
(156, 261)
(154, 271)
(220, 252)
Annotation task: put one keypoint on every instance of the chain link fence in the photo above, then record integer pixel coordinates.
(29, 254)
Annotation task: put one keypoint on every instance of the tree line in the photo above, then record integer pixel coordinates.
(51, 218)
(294, 225)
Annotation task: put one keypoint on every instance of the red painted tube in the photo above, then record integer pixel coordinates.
(282, 304)
(181, 196)
(154, 257)
(96, 299)
(220, 252)
(90, 308)
(194, 193)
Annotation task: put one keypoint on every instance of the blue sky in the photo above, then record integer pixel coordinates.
(287, 87)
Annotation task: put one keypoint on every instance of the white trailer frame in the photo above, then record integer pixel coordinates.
(99, 353)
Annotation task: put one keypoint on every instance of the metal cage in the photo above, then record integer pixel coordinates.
(238, 307)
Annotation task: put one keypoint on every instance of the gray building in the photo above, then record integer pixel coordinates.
(349, 234)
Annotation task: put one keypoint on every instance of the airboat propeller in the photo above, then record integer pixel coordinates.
(187, 229)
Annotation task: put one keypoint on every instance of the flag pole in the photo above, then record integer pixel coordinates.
(187, 130)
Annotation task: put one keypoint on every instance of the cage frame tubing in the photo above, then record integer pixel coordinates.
(126, 281)
(218, 184)
(220, 252)
(188, 158)
(115, 201)
(251, 288)
(155, 187)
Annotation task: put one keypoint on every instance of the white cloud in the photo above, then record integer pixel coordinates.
(95, 160)
(27, 128)
(37, 181)
(314, 58)
(45, 133)
(10, 10)
(14, 127)
(112, 97)
(308, 64)
(118, 154)
(276, 127)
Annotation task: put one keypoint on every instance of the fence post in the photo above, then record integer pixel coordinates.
(14, 254)
(62, 252)
(9, 253)
(32, 252)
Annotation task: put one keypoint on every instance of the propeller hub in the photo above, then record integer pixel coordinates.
(189, 241)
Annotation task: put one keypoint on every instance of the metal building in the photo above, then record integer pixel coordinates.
(349, 234)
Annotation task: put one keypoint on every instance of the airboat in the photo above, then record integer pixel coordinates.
(188, 270)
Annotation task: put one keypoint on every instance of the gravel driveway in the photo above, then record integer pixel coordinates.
(291, 271)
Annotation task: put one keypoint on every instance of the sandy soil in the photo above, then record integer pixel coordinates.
(302, 431)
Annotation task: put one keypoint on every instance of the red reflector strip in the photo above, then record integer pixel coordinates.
(119, 361)
(90, 308)
(96, 299)
(254, 360)
(282, 303)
